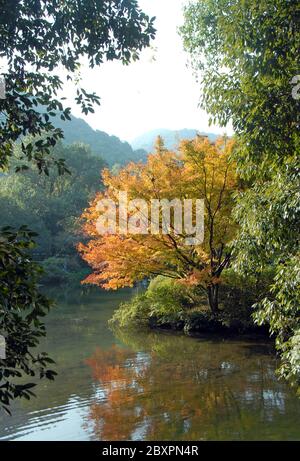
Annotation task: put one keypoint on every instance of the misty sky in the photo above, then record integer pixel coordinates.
(159, 91)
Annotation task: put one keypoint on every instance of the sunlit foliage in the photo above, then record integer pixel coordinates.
(200, 169)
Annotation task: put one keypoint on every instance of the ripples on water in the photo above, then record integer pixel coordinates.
(150, 386)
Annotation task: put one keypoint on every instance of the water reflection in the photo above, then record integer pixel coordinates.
(128, 385)
(181, 388)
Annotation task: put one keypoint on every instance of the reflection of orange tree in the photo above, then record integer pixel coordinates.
(182, 390)
(135, 398)
(114, 370)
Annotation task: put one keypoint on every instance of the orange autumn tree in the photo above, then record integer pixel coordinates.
(199, 170)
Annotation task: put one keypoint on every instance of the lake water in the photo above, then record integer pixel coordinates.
(151, 385)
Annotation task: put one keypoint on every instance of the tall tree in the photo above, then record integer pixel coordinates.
(201, 170)
(247, 52)
(38, 39)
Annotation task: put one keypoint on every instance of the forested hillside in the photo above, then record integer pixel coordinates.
(110, 148)
(51, 206)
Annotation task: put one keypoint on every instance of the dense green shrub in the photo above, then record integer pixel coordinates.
(134, 312)
(169, 304)
(163, 302)
(238, 296)
(168, 296)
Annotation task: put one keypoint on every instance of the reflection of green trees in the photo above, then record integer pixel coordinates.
(186, 389)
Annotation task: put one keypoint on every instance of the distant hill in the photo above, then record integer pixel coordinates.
(171, 137)
(110, 148)
(115, 151)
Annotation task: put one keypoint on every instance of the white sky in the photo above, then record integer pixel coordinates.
(158, 91)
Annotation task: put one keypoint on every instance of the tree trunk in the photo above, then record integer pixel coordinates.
(213, 298)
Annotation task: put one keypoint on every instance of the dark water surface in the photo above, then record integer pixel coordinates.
(150, 386)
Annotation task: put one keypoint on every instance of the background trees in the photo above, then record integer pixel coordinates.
(200, 169)
(51, 206)
(109, 147)
(248, 53)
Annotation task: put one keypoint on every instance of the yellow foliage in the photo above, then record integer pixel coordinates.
(199, 170)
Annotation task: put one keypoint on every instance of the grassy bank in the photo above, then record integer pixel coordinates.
(168, 304)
